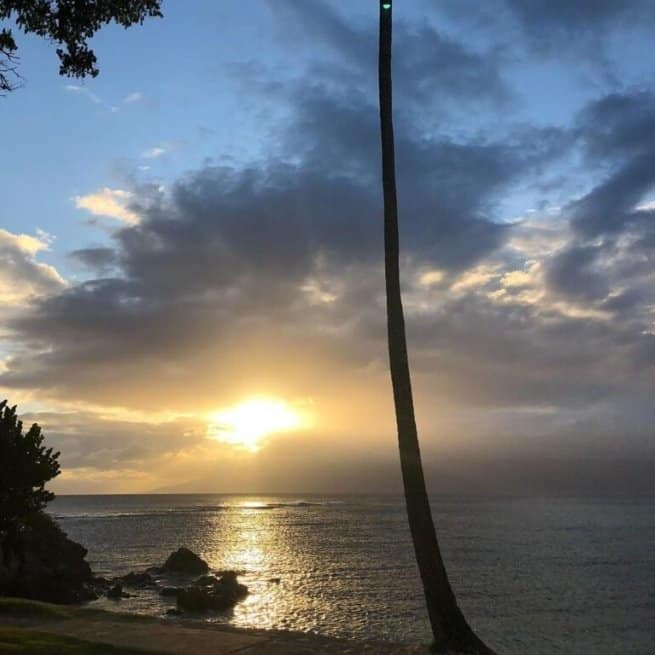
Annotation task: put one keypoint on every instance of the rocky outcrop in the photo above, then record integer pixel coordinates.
(185, 561)
(138, 580)
(116, 592)
(211, 593)
(42, 563)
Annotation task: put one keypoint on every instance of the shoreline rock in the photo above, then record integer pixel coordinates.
(138, 580)
(50, 567)
(116, 592)
(185, 561)
(211, 593)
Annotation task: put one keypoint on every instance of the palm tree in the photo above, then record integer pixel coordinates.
(449, 627)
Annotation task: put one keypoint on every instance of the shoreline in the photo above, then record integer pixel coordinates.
(179, 636)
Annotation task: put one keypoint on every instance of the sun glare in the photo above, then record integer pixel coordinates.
(246, 424)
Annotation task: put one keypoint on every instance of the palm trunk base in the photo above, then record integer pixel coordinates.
(467, 643)
(454, 635)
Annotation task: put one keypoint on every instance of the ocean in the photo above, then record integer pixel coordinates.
(532, 575)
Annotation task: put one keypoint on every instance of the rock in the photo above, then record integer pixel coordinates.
(134, 579)
(173, 611)
(228, 577)
(100, 581)
(197, 599)
(205, 581)
(185, 561)
(169, 591)
(211, 593)
(100, 584)
(226, 580)
(229, 573)
(115, 592)
(193, 599)
(42, 563)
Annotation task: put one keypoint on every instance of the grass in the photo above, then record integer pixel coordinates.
(23, 608)
(32, 608)
(16, 641)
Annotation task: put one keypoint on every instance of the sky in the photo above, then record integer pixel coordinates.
(191, 248)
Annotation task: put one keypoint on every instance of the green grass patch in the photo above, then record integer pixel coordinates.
(23, 608)
(28, 608)
(16, 641)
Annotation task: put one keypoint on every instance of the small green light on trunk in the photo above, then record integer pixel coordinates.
(386, 5)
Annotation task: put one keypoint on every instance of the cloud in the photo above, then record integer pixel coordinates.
(612, 203)
(619, 131)
(559, 16)
(99, 259)
(572, 272)
(21, 275)
(430, 67)
(94, 98)
(267, 277)
(583, 36)
(136, 96)
(154, 153)
(608, 261)
(112, 203)
(428, 278)
(131, 98)
(162, 149)
(228, 260)
(93, 439)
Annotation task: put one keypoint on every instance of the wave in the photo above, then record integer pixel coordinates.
(94, 514)
(278, 505)
(193, 509)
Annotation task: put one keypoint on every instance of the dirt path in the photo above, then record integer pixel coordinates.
(185, 638)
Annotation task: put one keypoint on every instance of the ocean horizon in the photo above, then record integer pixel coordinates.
(534, 575)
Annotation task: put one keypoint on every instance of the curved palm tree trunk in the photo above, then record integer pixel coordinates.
(450, 629)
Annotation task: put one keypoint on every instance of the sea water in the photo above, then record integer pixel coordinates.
(532, 575)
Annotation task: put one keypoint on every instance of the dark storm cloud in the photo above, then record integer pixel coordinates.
(582, 34)
(428, 66)
(617, 131)
(222, 226)
(101, 260)
(572, 272)
(568, 18)
(617, 135)
(612, 204)
(447, 187)
(618, 125)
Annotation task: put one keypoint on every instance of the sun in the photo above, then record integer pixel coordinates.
(247, 423)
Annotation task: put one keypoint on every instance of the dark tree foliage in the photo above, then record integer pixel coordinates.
(26, 465)
(69, 24)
